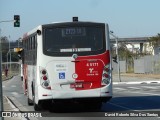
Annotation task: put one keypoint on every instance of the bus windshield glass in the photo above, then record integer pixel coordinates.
(73, 39)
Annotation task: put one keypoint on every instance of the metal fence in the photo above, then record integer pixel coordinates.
(148, 64)
(123, 68)
(144, 65)
(13, 69)
(156, 64)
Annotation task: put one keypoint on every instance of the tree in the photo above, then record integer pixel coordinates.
(4, 44)
(154, 41)
(124, 53)
(5, 49)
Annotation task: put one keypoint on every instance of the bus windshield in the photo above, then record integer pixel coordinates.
(73, 39)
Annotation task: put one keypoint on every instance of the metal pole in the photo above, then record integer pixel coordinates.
(18, 43)
(1, 89)
(1, 43)
(7, 21)
(118, 61)
(9, 56)
(7, 59)
(111, 33)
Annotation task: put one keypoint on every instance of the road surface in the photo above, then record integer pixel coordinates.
(136, 98)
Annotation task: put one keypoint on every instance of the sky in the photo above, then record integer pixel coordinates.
(126, 18)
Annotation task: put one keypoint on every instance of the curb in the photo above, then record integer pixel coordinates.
(10, 77)
(11, 104)
(142, 82)
(14, 108)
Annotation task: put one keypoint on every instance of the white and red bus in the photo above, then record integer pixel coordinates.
(67, 61)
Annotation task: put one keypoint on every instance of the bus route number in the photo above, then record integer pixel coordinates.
(92, 64)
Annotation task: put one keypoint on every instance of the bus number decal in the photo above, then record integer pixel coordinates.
(92, 64)
(92, 68)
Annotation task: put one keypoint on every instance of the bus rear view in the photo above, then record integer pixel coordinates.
(73, 59)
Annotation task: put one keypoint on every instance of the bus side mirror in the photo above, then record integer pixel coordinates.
(115, 59)
(19, 52)
(19, 55)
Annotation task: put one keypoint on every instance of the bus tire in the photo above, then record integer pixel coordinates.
(36, 106)
(30, 102)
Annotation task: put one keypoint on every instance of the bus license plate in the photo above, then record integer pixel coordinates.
(76, 85)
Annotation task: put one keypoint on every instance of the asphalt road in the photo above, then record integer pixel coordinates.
(132, 98)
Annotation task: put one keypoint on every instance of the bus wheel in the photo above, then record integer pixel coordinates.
(36, 106)
(30, 102)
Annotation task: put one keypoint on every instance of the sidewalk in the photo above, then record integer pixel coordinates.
(136, 78)
(8, 106)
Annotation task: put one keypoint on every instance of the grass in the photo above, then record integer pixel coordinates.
(10, 75)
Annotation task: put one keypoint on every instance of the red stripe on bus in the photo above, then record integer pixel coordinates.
(90, 69)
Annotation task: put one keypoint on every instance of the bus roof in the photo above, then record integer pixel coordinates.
(56, 23)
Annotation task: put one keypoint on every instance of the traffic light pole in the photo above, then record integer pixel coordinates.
(7, 21)
(16, 20)
(1, 90)
(118, 62)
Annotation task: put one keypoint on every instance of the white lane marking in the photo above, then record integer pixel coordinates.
(13, 86)
(145, 93)
(14, 93)
(147, 82)
(121, 106)
(133, 88)
(120, 89)
(136, 92)
(157, 87)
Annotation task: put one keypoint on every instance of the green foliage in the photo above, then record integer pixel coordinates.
(124, 53)
(5, 49)
(154, 41)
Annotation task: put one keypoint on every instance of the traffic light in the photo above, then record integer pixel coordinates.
(16, 21)
(115, 59)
